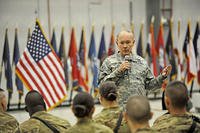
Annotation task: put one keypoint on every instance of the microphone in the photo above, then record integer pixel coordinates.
(129, 59)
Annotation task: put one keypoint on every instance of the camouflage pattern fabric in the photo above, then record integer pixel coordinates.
(86, 125)
(35, 126)
(109, 117)
(8, 124)
(146, 130)
(138, 81)
(175, 123)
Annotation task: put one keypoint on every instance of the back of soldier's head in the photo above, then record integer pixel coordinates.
(83, 104)
(108, 90)
(138, 109)
(177, 93)
(34, 101)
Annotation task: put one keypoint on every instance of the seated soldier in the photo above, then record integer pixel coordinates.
(40, 121)
(138, 114)
(111, 113)
(178, 120)
(8, 123)
(83, 108)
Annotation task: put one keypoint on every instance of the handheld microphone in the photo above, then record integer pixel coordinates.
(129, 59)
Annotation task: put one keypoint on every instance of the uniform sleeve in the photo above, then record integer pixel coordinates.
(152, 83)
(106, 73)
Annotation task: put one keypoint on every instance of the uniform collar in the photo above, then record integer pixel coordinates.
(84, 120)
(116, 107)
(39, 113)
(133, 56)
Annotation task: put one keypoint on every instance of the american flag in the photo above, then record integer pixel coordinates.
(40, 69)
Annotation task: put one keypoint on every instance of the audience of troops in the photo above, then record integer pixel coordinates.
(133, 118)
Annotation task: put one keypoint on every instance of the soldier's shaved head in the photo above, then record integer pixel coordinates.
(34, 102)
(1, 94)
(3, 101)
(177, 93)
(138, 109)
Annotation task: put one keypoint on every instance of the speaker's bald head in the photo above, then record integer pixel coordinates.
(138, 109)
(125, 33)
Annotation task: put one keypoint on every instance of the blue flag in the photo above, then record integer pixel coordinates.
(102, 48)
(8, 70)
(93, 58)
(140, 43)
(16, 56)
(53, 41)
(170, 53)
(195, 40)
(63, 57)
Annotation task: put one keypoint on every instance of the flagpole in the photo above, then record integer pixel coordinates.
(49, 17)
(69, 11)
(70, 96)
(191, 88)
(111, 11)
(38, 9)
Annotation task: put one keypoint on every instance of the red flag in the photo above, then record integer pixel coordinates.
(78, 81)
(40, 69)
(111, 49)
(161, 49)
(153, 51)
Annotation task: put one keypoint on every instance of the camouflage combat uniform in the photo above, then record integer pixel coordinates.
(36, 126)
(8, 124)
(87, 125)
(146, 130)
(175, 123)
(109, 117)
(138, 80)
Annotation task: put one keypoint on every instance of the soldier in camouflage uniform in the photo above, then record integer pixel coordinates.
(178, 120)
(129, 71)
(35, 105)
(83, 108)
(7, 122)
(111, 111)
(138, 114)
